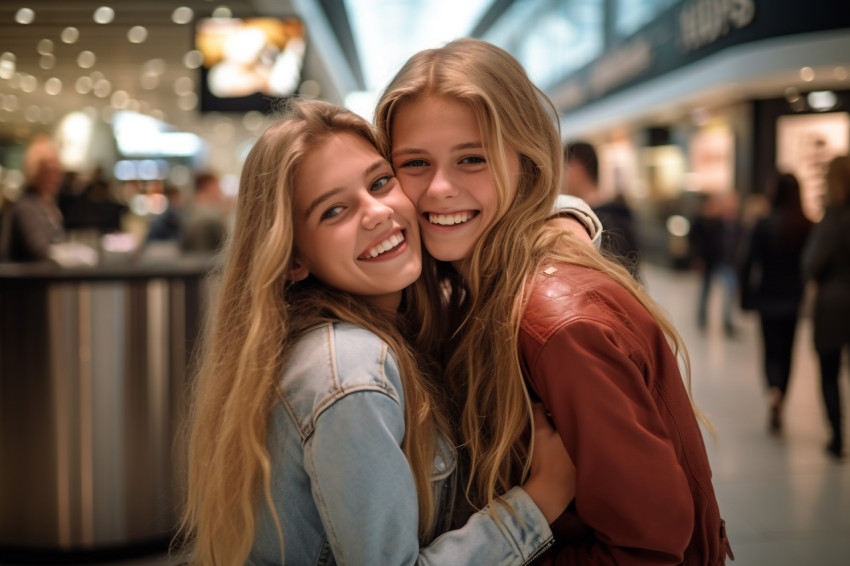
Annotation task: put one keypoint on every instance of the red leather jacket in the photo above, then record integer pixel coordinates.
(604, 370)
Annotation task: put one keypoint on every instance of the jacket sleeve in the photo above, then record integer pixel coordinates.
(630, 489)
(364, 490)
(574, 207)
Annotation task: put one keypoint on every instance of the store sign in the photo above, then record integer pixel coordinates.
(687, 32)
(703, 22)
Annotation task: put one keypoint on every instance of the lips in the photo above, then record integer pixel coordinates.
(392, 242)
(450, 218)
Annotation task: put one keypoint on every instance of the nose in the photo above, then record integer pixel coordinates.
(375, 213)
(441, 186)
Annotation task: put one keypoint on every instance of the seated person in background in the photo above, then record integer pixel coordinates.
(34, 223)
(166, 226)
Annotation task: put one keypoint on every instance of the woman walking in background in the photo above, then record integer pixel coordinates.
(826, 260)
(772, 284)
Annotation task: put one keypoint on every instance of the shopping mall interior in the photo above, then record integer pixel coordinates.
(683, 100)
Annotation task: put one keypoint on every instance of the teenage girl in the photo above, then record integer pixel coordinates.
(530, 315)
(315, 436)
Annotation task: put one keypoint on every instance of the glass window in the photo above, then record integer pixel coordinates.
(551, 38)
(630, 15)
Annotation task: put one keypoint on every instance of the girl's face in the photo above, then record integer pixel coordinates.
(438, 156)
(355, 230)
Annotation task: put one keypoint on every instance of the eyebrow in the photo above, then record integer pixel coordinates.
(335, 191)
(458, 147)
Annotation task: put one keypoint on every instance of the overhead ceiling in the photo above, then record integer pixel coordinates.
(46, 69)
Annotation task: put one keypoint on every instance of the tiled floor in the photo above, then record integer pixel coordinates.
(785, 502)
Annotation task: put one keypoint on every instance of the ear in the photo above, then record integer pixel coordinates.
(298, 272)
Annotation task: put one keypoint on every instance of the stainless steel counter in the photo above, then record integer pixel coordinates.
(93, 392)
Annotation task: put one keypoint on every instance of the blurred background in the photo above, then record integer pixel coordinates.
(132, 120)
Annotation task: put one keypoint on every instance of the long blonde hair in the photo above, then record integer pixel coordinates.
(259, 314)
(482, 359)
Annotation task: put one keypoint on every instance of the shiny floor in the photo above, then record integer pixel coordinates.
(786, 503)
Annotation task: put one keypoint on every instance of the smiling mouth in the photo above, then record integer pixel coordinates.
(450, 219)
(386, 246)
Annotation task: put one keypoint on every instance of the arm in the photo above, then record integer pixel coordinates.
(364, 489)
(630, 488)
(750, 275)
(576, 215)
(30, 230)
(820, 246)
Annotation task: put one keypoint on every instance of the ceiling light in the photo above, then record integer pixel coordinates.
(193, 59)
(45, 46)
(83, 85)
(24, 16)
(137, 34)
(86, 59)
(70, 34)
(102, 88)
(29, 83)
(222, 12)
(840, 73)
(104, 15)
(182, 15)
(807, 74)
(53, 86)
(47, 61)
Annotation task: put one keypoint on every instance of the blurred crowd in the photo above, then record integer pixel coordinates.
(763, 256)
(63, 216)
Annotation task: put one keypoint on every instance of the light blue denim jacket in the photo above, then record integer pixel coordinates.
(341, 485)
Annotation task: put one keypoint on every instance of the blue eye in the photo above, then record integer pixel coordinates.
(380, 183)
(331, 212)
(473, 159)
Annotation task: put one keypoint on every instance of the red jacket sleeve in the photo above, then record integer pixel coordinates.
(630, 489)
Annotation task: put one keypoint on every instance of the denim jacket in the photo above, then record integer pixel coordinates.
(341, 485)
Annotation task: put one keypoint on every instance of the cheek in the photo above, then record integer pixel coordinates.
(412, 189)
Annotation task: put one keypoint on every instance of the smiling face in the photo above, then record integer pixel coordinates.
(438, 156)
(355, 230)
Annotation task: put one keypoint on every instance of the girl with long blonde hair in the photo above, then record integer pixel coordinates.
(315, 436)
(528, 313)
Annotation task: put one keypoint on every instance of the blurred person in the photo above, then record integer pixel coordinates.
(204, 219)
(103, 211)
(167, 225)
(715, 239)
(826, 261)
(34, 224)
(772, 284)
(581, 179)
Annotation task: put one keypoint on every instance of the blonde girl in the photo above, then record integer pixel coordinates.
(531, 314)
(315, 437)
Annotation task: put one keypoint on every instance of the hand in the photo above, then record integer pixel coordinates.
(552, 480)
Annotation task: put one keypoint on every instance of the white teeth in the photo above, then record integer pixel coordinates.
(386, 245)
(449, 219)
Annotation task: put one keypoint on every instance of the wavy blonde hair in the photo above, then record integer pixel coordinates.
(482, 312)
(258, 315)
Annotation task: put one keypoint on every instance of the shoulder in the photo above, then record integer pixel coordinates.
(561, 295)
(335, 360)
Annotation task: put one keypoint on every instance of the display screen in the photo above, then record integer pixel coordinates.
(249, 63)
